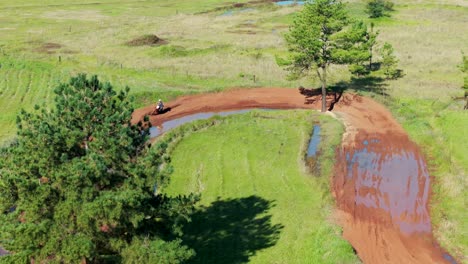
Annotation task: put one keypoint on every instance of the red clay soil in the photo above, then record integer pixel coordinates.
(381, 183)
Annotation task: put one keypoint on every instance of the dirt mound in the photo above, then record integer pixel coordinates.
(49, 48)
(381, 183)
(146, 40)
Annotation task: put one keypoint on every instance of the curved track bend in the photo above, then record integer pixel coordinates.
(381, 183)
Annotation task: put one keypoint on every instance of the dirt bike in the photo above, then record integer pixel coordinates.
(159, 109)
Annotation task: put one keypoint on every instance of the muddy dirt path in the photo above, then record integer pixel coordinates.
(381, 183)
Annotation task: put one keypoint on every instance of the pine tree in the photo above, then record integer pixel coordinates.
(378, 8)
(389, 61)
(79, 184)
(355, 48)
(319, 37)
(464, 69)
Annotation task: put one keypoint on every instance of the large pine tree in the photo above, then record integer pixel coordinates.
(323, 34)
(81, 183)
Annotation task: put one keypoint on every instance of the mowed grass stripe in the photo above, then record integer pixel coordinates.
(258, 204)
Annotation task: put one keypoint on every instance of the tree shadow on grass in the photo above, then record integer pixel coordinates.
(231, 231)
(369, 84)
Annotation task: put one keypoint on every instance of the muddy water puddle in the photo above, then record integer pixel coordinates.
(382, 181)
(391, 178)
(449, 258)
(156, 131)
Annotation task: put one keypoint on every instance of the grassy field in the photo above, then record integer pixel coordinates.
(43, 44)
(211, 45)
(259, 204)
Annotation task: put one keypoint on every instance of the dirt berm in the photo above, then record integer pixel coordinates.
(381, 183)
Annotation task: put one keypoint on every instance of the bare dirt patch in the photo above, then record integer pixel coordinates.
(49, 48)
(381, 183)
(146, 40)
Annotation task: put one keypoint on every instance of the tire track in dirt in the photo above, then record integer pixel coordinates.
(381, 183)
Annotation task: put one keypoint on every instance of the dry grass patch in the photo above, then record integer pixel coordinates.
(85, 15)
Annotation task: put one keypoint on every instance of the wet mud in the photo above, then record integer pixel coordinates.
(382, 187)
(381, 182)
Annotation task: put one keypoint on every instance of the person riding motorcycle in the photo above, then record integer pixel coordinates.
(160, 106)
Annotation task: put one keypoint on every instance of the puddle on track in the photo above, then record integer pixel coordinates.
(391, 178)
(382, 181)
(156, 131)
(449, 258)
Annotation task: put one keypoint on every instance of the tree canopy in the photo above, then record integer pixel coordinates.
(379, 8)
(323, 34)
(81, 184)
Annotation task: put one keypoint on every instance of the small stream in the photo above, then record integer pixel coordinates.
(314, 142)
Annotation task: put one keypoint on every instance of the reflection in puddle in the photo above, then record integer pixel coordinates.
(394, 179)
(168, 125)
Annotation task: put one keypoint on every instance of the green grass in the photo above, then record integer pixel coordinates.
(200, 55)
(210, 52)
(258, 202)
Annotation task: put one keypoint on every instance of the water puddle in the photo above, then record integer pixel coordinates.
(391, 178)
(288, 3)
(449, 258)
(168, 125)
(314, 142)
(228, 13)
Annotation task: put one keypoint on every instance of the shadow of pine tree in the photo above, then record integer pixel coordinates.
(230, 231)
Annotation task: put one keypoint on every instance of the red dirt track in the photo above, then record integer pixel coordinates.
(381, 183)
